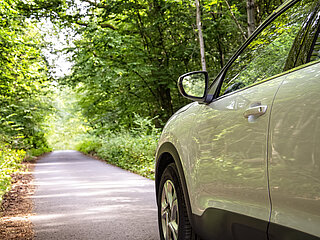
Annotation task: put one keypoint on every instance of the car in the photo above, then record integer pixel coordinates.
(242, 161)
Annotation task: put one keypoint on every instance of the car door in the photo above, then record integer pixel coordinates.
(294, 164)
(229, 167)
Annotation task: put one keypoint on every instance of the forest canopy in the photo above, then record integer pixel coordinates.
(126, 56)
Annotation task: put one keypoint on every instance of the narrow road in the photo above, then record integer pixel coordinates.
(78, 197)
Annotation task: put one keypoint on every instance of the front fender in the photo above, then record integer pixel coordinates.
(166, 154)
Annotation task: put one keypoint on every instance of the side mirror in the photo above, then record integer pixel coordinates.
(194, 85)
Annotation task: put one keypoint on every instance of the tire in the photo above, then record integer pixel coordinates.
(172, 213)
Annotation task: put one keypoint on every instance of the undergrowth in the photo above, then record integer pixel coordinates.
(132, 149)
(10, 162)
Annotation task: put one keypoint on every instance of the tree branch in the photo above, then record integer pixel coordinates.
(107, 25)
(103, 25)
(145, 82)
(95, 4)
(236, 21)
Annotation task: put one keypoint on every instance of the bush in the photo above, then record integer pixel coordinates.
(10, 160)
(89, 144)
(36, 152)
(129, 149)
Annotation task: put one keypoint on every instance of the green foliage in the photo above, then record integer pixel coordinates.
(10, 160)
(132, 150)
(23, 85)
(89, 144)
(65, 123)
(36, 152)
(129, 54)
(23, 79)
(127, 57)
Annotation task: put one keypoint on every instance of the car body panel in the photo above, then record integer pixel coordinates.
(294, 164)
(179, 136)
(229, 153)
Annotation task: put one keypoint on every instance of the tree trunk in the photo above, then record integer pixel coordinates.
(165, 102)
(201, 42)
(251, 15)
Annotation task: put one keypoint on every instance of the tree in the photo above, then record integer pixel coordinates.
(23, 76)
(201, 42)
(251, 16)
(129, 54)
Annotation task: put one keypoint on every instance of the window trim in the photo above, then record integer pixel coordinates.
(315, 38)
(270, 78)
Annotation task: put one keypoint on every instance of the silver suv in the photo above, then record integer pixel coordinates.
(243, 160)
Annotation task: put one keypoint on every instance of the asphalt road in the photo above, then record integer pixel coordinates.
(78, 197)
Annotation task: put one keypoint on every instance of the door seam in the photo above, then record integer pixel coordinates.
(268, 155)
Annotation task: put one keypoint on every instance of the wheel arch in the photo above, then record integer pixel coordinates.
(167, 154)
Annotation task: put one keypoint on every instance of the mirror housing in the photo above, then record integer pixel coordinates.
(194, 85)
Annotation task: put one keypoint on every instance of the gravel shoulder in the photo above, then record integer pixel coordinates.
(16, 208)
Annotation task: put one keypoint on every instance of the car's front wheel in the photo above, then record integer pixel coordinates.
(172, 213)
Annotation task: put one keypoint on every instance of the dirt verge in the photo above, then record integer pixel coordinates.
(17, 205)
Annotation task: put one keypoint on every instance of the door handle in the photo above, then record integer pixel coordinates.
(256, 111)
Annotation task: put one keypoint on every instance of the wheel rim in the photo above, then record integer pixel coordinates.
(169, 211)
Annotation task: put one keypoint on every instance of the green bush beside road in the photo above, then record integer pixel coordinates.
(132, 150)
(10, 162)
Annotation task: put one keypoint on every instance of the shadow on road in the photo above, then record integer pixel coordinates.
(78, 197)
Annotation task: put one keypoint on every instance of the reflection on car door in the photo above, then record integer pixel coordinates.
(295, 154)
(230, 171)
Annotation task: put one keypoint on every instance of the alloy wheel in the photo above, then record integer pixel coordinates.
(169, 211)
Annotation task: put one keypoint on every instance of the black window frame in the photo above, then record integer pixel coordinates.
(306, 38)
(317, 33)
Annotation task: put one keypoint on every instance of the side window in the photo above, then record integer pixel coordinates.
(306, 40)
(315, 53)
(267, 54)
